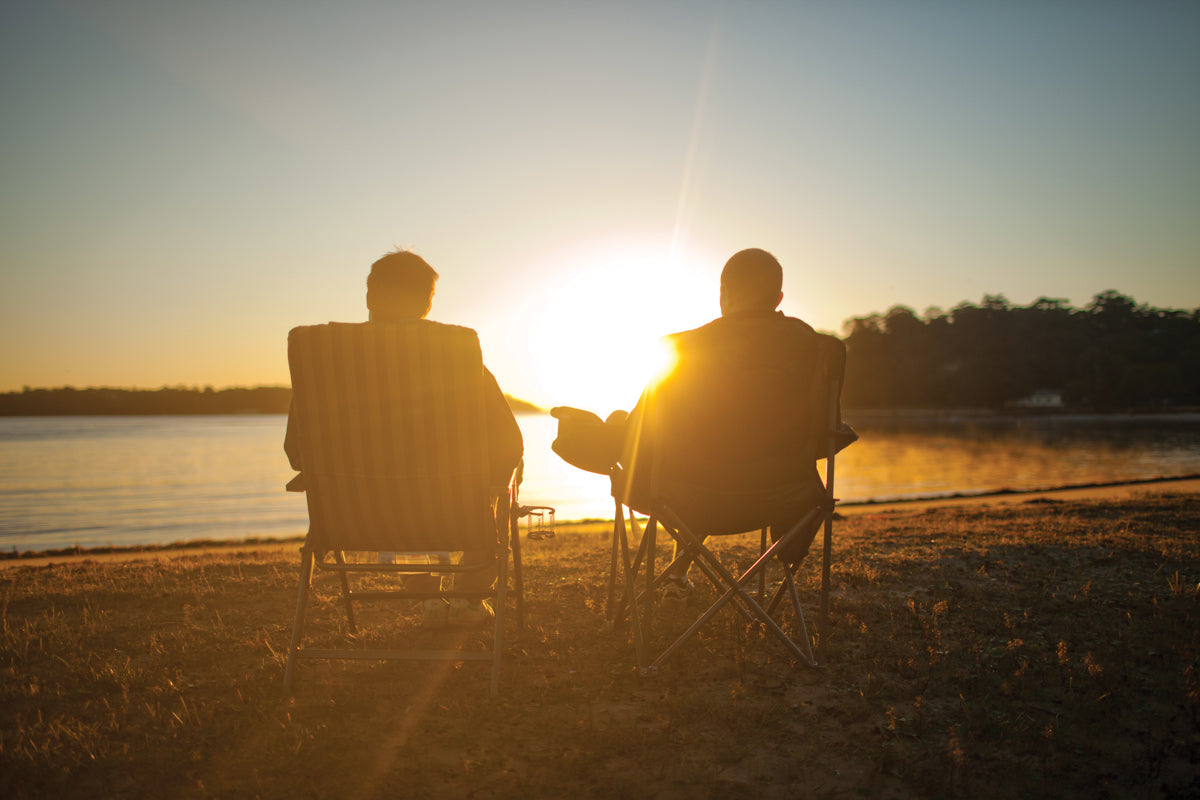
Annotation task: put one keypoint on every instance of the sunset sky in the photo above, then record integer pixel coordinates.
(184, 182)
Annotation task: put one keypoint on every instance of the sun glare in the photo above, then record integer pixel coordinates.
(596, 335)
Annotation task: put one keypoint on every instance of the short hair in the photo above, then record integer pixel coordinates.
(400, 274)
(754, 277)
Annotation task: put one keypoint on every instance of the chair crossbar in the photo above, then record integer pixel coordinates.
(401, 569)
(349, 594)
(343, 570)
(755, 611)
(393, 655)
(732, 589)
(388, 594)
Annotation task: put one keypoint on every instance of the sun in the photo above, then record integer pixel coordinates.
(595, 336)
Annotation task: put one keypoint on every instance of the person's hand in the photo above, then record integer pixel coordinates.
(573, 415)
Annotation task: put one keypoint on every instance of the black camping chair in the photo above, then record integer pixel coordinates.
(769, 483)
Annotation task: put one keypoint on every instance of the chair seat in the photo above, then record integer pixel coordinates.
(718, 510)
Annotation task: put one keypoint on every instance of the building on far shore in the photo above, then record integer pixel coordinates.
(1041, 398)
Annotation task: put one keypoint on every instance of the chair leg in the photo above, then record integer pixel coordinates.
(756, 612)
(788, 587)
(618, 534)
(501, 605)
(762, 576)
(306, 571)
(649, 538)
(518, 576)
(619, 603)
(790, 583)
(639, 640)
(629, 596)
(735, 590)
(832, 418)
(778, 596)
(826, 558)
(340, 557)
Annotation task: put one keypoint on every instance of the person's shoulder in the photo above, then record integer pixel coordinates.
(794, 324)
(449, 326)
(304, 335)
(812, 340)
(427, 328)
(691, 331)
(681, 341)
(324, 326)
(416, 324)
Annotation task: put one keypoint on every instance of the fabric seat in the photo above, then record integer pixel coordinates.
(392, 428)
(731, 493)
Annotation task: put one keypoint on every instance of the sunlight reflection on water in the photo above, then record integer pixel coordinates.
(95, 481)
(905, 458)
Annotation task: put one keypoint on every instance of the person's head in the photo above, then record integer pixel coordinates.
(400, 287)
(752, 280)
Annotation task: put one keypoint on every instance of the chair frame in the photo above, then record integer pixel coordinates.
(633, 567)
(311, 560)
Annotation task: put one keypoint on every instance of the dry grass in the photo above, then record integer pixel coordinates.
(1043, 650)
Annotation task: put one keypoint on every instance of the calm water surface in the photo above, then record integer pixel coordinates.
(96, 481)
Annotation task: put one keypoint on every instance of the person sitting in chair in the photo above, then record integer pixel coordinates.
(733, 419)
(400, 288)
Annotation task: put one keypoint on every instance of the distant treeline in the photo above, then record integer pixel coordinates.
(167, 400)
(69, 401)
(1112, 355)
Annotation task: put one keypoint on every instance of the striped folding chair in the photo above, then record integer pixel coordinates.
(393, 437)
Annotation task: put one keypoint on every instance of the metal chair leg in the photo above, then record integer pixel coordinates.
(306, 572)
(340, 557)
(618, 534)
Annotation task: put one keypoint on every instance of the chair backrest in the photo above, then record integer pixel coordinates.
(733, 433)
(393, 436)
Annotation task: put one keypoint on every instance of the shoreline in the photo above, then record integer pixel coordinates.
(1189, 484)
(1182, 483)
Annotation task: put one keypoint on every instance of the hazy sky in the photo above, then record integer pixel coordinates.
(184, 182)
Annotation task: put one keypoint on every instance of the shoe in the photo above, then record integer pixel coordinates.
(674, 593)
(675, 590)
(434, 613)
(467, 612)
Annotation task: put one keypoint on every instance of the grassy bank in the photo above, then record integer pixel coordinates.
(1049, 649)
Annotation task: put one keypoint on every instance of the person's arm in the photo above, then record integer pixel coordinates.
(291, 446)
(291, 439)
(505, 444)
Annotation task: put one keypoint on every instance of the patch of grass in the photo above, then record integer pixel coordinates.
(1040, 650)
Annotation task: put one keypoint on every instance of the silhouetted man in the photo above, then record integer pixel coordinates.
(734, 418)
(400, 288)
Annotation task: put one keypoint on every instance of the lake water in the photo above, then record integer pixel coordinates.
(97, 481)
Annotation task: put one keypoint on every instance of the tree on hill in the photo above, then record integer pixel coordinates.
(1113, 354)
(68, 401)
(167, 400)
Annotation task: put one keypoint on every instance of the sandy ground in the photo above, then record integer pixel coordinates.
(1186, 485)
